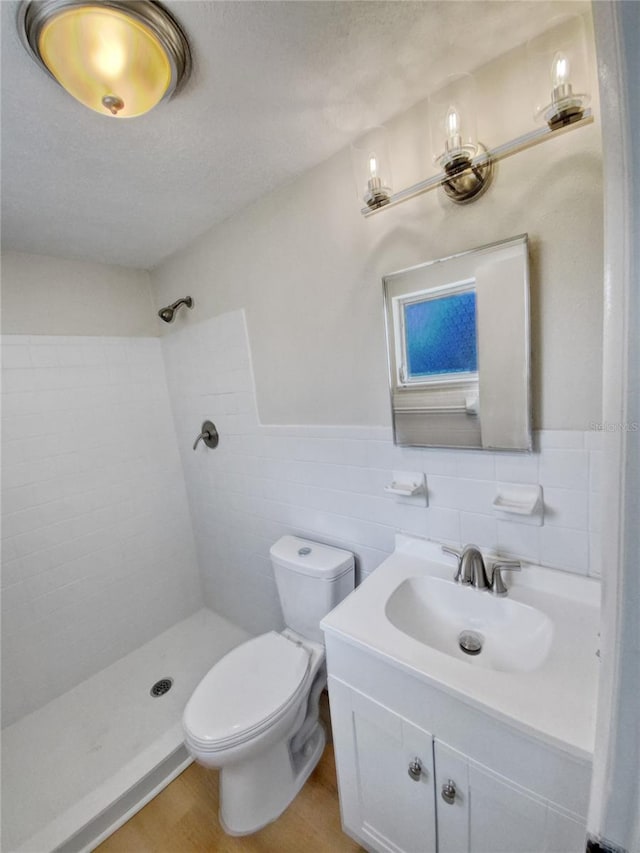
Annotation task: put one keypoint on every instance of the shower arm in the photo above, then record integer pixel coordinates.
(185, 300)
(168, 314)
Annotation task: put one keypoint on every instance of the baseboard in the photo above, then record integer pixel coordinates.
(601, 845)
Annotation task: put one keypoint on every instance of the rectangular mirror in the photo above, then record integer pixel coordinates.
(458, 342)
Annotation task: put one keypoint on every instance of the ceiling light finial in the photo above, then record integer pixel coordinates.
(113, 103)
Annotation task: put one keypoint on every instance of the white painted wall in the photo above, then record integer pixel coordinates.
(42, 295)
(97, 546)
(306, 267)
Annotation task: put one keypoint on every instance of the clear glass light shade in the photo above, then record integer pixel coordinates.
(558, 72)
(452, 121)
(107, 60)
(372, 167)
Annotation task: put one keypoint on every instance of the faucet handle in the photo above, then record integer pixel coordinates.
(457, 553)
(497, 586)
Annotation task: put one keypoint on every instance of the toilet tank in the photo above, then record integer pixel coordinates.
(312, 579)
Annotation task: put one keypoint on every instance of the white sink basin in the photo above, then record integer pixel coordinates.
(538, 667)
(435, 611)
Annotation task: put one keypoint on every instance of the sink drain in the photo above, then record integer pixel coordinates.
(470, 642)
(161, 687)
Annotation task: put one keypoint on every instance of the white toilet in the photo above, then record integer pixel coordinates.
(255, 713)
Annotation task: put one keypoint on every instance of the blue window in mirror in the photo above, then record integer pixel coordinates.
(440, 336)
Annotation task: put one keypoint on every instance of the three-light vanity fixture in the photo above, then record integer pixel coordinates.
(117, 57)
(556, 62)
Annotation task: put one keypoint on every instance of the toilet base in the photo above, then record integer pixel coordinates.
(254, 793)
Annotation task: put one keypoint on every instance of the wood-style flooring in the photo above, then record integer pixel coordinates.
(183, 818)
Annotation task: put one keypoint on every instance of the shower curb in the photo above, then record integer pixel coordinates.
(115, 814)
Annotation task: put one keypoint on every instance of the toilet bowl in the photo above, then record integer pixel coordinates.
(249, 737)
(254, 716)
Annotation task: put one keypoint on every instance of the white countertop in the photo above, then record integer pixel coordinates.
(556, 701)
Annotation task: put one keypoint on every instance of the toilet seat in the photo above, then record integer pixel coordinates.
(246, 692)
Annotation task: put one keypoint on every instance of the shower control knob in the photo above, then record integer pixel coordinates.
(415, 769)
(208, 434)
(449, 792)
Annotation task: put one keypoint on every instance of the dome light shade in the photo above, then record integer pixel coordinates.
(117, 58)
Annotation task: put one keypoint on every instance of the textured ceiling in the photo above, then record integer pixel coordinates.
(277, 87)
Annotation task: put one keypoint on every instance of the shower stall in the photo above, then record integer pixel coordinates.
(103, 598)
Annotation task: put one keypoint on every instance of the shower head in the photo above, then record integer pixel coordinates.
(168, 314)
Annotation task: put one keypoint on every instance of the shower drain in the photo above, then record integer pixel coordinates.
(161, 687)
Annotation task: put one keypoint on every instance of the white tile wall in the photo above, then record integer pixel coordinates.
(98, 549)
(327, 483)
(97, 545)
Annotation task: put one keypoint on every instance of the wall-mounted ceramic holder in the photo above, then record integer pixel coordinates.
(409, 487)
(519, 503)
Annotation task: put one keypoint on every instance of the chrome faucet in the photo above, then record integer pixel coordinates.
(471, 568)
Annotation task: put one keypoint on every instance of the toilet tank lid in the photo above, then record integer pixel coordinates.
(311, 558)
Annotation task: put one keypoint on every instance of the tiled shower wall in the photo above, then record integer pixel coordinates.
(97, 550)
(327, 483)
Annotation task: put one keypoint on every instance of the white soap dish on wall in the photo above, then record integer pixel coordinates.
(408, 487)
(519, 503)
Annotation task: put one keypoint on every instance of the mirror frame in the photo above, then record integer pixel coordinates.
(467, 410)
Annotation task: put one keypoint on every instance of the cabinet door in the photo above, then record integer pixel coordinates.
(383, 805)
(565, 833)
(491, 814)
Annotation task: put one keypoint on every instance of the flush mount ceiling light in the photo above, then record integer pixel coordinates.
(117, 58)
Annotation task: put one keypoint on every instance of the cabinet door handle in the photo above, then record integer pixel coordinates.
(415, 769)
(449, 791)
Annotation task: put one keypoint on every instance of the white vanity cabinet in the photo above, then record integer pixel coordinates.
(507, 792)
(482, 812)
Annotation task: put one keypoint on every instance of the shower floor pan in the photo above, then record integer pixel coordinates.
(79, 767)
